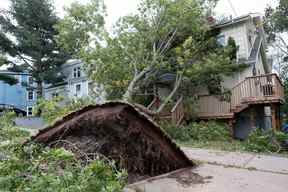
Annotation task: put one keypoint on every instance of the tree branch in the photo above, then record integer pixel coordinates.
(128, 94)
(171, 95)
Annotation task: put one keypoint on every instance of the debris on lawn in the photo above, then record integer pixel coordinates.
(120, 132)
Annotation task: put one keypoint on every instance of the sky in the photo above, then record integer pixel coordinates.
(118, 8)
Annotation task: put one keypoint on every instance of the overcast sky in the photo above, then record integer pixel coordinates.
(117, 8)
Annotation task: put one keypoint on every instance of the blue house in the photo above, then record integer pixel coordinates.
(20, 97)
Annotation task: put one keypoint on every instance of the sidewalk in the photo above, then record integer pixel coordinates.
(220, 171)
(250, 161)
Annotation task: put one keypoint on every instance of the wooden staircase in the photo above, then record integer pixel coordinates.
(262, 89)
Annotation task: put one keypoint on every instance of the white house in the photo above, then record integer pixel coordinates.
(249, 35)
(75, 85)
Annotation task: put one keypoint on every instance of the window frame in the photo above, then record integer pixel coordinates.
(221, 40)
(28, 95)
(76, 88)
(30, 80)
(77, 72)
(28, 112)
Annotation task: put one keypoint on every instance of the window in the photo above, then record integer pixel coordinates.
(29, 111)
(30, 80)
(77, 72)
(55, 95)
(221, 40)
(30, 95)
(78, 88)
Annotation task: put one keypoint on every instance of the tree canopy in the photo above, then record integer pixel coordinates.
(27, 39)
(163, 36)
(277, 27)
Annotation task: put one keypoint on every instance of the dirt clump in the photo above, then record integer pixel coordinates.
(116, 131)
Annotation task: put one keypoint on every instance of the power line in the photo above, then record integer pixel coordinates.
(232, 7)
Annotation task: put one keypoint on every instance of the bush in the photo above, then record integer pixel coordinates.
(37, 168)
(56, 108)
(203, 131)
(34, 168)
(216, 135)
(265, 141)
(6, 119)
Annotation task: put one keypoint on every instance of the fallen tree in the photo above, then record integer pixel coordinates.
(119, 132)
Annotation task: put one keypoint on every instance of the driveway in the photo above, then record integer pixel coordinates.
(220, 171)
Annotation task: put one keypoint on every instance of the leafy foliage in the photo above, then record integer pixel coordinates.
(27, 37)
(8, 79)
(210, 131)
(36, 168)
(217, 135)
(57, 108)
(276, 26)
(163, 36)
(268, 142)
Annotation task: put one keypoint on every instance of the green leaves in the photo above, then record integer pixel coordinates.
(82, 27)
(27, 38)
(40, 169)
(36, 168)
(8, 79)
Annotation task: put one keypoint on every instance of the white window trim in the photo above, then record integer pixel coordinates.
(33, 97)
(20, 80)
(27, 112)
(77, 73)
(30, 80)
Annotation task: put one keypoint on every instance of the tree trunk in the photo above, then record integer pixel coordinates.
(166, 101)
(129, 92)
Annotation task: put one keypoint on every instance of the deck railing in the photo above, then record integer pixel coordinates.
(256, 89)
(209, 105)
(177, 113)
(261, 88)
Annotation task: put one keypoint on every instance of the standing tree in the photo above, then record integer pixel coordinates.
(163, 36)
(277, 27)
(27, 39)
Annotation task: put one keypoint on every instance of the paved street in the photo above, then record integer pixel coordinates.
(220, 171)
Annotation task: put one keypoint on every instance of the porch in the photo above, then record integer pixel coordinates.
(257, 90)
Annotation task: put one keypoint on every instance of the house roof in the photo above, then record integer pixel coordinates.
(72, 62)
(56, 85)
(13, 73)
(236, 20)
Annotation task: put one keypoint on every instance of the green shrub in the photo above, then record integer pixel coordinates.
(265, 141)
(217, 136)
(37, 168)
(203, 131)
(56, 108)
(6, 119)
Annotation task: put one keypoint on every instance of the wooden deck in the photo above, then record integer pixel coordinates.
(262, 89)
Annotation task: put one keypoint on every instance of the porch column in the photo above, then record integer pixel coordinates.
(253, 118)
(275, 115)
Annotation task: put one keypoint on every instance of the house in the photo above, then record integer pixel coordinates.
(256, 93)
(19, 97)
(75, 84)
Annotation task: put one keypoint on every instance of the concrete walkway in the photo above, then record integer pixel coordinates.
(220, 171)
(250, 161)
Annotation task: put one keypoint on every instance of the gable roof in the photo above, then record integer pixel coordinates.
(232, 21)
